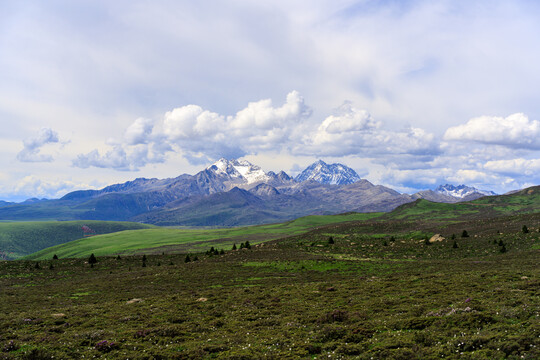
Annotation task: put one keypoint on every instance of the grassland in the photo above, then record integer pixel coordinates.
(18, 239)
(379, 291)
(158, 240)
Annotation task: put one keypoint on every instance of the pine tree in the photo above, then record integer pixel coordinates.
(187, 259)
(55, 257)
(455, 245)
(524, 229)
(464, 234)
(234, 246)
(503, 249)
(247, 245)
(92, 259)
(222, 252)
(331, 240)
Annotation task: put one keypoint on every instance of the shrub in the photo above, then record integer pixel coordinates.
(106, 346)
(331, 240)
(525, 229)
(455, 245)
(464, 234)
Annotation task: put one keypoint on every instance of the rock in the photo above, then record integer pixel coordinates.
(436, 237)
(133, 301)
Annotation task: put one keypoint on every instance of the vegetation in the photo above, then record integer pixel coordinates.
(297, 297)
(18, 239)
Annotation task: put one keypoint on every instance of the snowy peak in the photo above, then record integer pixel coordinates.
(462, 191)
(335, 174)
(239, 169)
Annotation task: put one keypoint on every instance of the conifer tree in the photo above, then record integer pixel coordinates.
(187, 259)
(464, 234)
(234, 246)
(92, 259)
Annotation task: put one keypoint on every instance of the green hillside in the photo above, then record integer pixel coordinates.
(158, 240)
(18, 239)
(523, 202)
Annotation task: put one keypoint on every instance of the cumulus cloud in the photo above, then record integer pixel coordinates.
(515, 131)
(121, 157)
(515, 167)
(32, 146)
(34, 186)
(139, 132)
(354, 132)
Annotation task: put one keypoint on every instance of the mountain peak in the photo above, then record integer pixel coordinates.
(462, 191)
(242, 169)
(335, 174)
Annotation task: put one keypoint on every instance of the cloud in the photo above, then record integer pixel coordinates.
(515, 131)
(139, 132)
(45, 188)
(516, 167)
(33, 145)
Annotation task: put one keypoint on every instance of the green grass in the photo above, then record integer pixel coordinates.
(297, 297)
(18, 239)
(159, 240)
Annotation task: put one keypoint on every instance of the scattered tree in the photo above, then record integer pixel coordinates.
(453, 237)
(234, 246)
(55, 257)
(464, 234)
(331, 240)
(426, 241)
(524, 229)
(36, 266)
(503, 249)
(92, 260)
(187, 259)
(196, 258)
(117, 257)
(455, 245)
(51, 266)
(144, 258)
(247, 245)
(222, 252)
(385, 243)
(392, 239)
(501, 243)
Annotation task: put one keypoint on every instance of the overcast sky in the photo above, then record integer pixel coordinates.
(410, 94)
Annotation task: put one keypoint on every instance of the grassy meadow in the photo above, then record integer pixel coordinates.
(159, 240)
(367, 289)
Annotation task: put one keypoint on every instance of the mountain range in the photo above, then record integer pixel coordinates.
(230, 193)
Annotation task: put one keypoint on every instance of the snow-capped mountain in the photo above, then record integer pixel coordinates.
(335, 174)
(242, 169)
(462, 191)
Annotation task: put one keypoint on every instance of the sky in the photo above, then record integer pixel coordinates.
(410, 94)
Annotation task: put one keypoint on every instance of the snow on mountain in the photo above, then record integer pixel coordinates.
(335, 174)
(242, 169)
(462, 191)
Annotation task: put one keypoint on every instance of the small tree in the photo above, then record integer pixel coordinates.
(55, 257)
(234, 246)
(501, 243)
(144, 258)
(426, 241)
(36, 266)
(464, 234)
(92, 260)
(455, 245)
(524, 229)
(392, 239)
(187, 259)
(453, 237)
(222, 252)
(385, 243)
(196, 258)
(51, 266)
(118, 257)
(247, 245)
(242, 246)
(503, 249)
(331, 240)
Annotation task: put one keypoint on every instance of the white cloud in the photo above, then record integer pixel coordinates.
(46, 188)
(32, 146)
(515, 131)
(516, 167)
(139, 132)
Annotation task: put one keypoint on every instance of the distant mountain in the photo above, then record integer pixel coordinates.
(463, 192)
(230, 193)
(334, 174)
